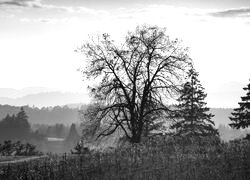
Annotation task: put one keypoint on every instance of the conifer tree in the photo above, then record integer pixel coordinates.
(73, 135)
(22, 122)
(21, 115)
(15, 126)
(192, 115)
(241, 116)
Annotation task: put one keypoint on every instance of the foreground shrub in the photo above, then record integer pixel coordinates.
(9, 148)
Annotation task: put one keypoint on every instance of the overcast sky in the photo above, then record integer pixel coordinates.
(38, 39)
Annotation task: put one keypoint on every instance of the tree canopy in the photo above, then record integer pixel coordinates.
(137, 77)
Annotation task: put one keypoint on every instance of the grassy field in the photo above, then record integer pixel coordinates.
(155, 160)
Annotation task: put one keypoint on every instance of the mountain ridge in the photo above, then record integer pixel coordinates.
(46, 99)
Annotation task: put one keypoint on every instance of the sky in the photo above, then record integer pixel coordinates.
(38, 39)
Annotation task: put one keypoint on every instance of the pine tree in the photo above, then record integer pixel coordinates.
(73, 135)
(15, 126)
(241, 116)
(192, 115)
(21, 115)
(22, 122)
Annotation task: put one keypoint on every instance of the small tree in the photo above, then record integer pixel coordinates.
(192, 117)
(241, 116)
(137, 78)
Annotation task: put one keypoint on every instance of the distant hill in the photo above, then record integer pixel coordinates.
(221, 115)
(16, 93)
(49, 115)
(45, 99)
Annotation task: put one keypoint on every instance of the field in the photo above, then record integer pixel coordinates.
(155, 160)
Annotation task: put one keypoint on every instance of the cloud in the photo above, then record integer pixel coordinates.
(21, 3)
(50, 20)
(161, 14)
(82, 9)
(39, 4)
(232, 13)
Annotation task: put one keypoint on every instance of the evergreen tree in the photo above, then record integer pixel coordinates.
(241, 116)
(192, 117)
(21, 115)
(72, 139)
(15, 126)
(73, 135)
(22, 122)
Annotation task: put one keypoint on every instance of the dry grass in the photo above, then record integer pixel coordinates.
(155, 160)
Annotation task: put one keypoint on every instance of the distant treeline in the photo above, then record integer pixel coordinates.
(15, 127)
(68, 115)
(46, 115)
(56, 121)
(57, 130)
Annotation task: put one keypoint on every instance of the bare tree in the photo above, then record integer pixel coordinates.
(137, 78)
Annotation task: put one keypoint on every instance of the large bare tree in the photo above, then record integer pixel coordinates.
(137, 78)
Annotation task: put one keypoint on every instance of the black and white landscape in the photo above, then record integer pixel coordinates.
(122, 89)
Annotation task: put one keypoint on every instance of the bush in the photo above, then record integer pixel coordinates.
(17, 149)
(80, 149)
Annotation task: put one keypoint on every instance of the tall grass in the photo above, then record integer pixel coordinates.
(159, 158)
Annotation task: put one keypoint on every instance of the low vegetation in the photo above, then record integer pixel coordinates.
(158, 158)
(9, 148)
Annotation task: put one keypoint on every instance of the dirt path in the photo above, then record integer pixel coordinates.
(22, 160)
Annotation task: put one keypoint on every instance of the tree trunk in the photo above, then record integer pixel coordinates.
(136, 138)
